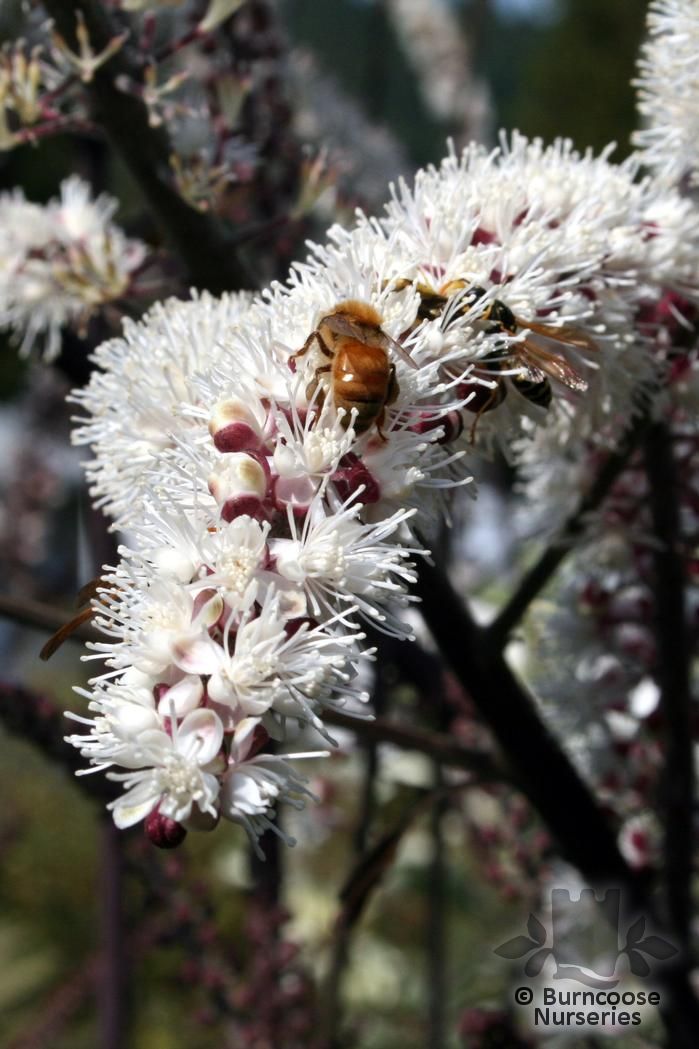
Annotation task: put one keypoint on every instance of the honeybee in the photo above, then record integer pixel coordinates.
(83, 616)
(527, 364)
(362, 376)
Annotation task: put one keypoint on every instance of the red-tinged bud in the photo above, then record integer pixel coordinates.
(292, 626)
(162, 831)
(260, 739)
(243, 505)
(351, 475)
(483, 236)
(236, 437)
(239, 479)
(452, 424)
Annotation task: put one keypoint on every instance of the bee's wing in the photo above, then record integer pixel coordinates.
(64, 632)
(397, 348)
(560, 333)
(552, 365)
(340, 324)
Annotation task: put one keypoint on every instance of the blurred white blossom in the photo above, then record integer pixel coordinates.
(60, 261)
(668, 94)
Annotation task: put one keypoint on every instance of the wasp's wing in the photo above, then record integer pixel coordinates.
(64, 632)
(560, 333)
(529, 371)
(552, 365)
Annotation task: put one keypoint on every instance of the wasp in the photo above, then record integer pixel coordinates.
(527, 364)
(362, 376)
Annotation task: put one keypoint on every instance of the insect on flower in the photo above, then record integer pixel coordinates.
(362, 377)
(83, 616)
(527, 364)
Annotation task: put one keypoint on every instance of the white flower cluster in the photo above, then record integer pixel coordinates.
(669, 90)
(269, 458)
(59, 261)
(438, 49)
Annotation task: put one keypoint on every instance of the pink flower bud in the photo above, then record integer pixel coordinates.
(452, 423)
(240, 485)
(296, 492)
(351, 475)
(234, 427)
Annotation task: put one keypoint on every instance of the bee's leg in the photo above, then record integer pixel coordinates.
(379, 423)
(322, 345)
(392, 391)
(313, 384)
(393, 387)
(451, 286)
(497, 394)
(306, 346)
(399, 284)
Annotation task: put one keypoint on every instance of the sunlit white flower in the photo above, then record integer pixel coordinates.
(269, 509)
(138, 395)
(177, 774)
(338, 560)
(668, 86)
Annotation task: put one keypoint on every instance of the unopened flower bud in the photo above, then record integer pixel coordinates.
(452, 424)
(240, 485)
(352, 475)
(234, 427)
(164, 832)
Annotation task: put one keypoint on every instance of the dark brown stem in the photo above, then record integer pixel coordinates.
(112, 989)
(340, 948)
(543, 570)
(673, 672)
(35, 719)
(435, 744)
(437, 921)
(673, 676)
(541, 768)
(548, 779)
(205, 244)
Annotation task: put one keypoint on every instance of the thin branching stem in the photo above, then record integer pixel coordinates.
(543, 570)
(547, 777)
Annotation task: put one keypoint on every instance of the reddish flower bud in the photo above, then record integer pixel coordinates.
(163, 831)
(351, 475)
